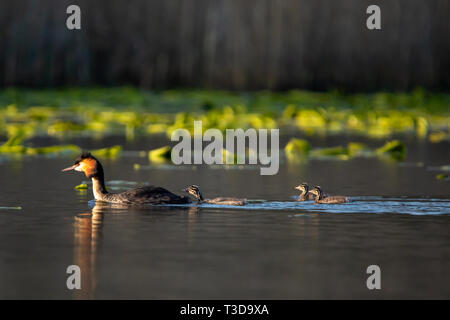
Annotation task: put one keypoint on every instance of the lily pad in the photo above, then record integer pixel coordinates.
(297, 148)
(395, 149)
(332, 151)
(55, 150)
(159, 155)
(110, 152)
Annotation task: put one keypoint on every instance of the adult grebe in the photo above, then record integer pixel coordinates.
(93, 169)
(321, 198)
(194, 191)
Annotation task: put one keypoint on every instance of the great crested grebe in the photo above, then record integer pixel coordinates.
(321, 198)
(93, 169)
(304, 192)
(194, 191)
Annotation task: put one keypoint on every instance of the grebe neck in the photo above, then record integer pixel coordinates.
(98, 187)
(319, 196)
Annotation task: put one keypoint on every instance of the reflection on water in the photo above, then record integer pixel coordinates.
(88, 237)
(87, 233)
(369, 205)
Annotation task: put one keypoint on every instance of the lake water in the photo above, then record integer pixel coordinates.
(273, 248)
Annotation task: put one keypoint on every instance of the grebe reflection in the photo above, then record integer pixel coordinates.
(87, 235)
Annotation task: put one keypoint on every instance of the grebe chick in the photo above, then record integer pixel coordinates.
(304, 192)
(93, 169)
(194, 191)
(321, 198)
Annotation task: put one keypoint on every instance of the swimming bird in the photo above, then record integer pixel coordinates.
(93, 170)
(304, 192)
(321, 198)
(194, 191)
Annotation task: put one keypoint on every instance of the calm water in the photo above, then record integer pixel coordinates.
(274, 248)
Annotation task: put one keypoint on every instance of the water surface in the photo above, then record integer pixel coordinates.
(274, 248)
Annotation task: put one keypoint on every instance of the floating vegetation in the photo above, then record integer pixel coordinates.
(353, 149)
(160, 155)
(300, 149)
(62, 127)
(157, 128)
(4, 149)
(297, 148)
(439, 136)
(69, 149)
(395, 149)
(25, 113)
(10, 208)
(443, 176)
(333, 152)
(164, 166)
(356, 149)
(445, 168)
(82, 186)
(17, 133)
(110, 152)
(50, 150)
(311, 119)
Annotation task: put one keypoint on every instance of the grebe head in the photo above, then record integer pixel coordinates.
(304, 188)
(317, 191)
(194, 191)
(89, 165)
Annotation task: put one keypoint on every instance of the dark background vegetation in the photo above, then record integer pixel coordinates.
(230, 44)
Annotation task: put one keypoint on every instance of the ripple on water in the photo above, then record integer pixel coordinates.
(378, 205)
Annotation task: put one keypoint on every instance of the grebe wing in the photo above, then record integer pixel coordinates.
(151, 194)
(335, 199)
